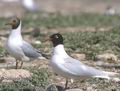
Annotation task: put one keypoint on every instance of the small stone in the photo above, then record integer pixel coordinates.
(2, 60)
(79, 56)
(109, 57)
(52, 87)
(72, 80)
(116, 79)
(38, 42)
(14, 74)
(35, 32)
(90, 89)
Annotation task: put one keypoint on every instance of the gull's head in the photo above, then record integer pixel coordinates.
(56, 39)
(14, 22)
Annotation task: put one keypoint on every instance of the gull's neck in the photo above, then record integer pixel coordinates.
(16, 33)
(59, 50)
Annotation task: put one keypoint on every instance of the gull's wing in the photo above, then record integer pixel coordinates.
(29, 51)
(79, 69)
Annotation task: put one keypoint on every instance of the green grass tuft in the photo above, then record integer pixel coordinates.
(93, 43)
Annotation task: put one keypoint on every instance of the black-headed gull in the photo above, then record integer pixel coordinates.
(69, 67)
(19, 48)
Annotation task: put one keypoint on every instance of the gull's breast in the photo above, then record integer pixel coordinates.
(13, 48)
(57, 65)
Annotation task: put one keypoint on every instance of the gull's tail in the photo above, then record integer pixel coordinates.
(107, 75)
(42, 55)
(45, 55)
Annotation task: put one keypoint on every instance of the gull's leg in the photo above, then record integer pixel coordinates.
(17, 61)
(66, 84)
(21, 64)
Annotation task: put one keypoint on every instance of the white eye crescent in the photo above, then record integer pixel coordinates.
(56, 36)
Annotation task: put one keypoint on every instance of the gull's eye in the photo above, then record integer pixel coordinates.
(14, 21)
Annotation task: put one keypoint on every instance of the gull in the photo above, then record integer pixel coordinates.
(70, 68)
(17, 47)
(110, 11)
(30, 5)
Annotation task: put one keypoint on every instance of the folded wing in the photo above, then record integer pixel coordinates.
(79, 69)
(29, 51)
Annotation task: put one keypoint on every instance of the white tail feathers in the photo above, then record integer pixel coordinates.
(111, 74)
(107, 75)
